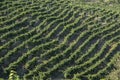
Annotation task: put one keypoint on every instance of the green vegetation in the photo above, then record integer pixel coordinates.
(115, 73)
(13, 75)
(59, 39)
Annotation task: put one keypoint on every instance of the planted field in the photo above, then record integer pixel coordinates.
(57, 39)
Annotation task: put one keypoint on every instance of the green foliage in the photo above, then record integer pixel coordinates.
(1, 79)
(47, 39)
(13, 75)
(115, 73)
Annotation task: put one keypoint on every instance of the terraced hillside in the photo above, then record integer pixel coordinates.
(57, 39)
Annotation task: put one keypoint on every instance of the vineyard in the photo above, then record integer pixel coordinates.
(57, 39)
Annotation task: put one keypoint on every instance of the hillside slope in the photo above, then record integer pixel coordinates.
(58, 39)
